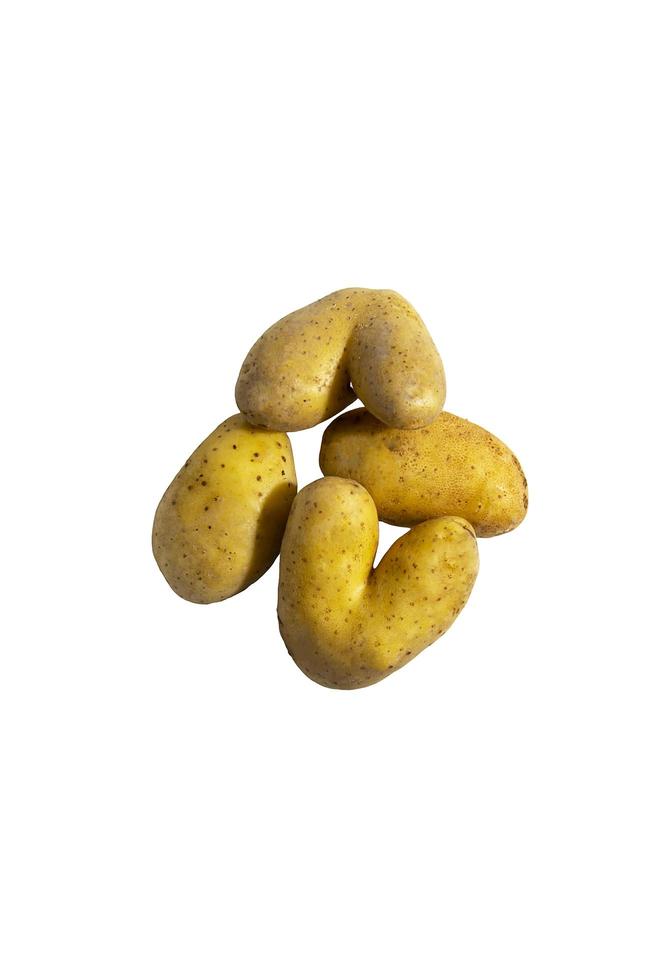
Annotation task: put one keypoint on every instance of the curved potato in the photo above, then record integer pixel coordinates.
(219, 524)
(449, 467)
(347, 625)
(366, 343)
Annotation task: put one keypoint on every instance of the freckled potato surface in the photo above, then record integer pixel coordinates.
(366, 343)
(347, 625)
(449, 467)
(219, 524)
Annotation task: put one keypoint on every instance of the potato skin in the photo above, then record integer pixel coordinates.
(219, 524)
(345, 625)
(449, 467)
(369, 343)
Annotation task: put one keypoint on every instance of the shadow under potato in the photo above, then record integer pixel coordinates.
(270, 527)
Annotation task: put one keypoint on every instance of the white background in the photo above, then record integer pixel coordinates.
(178, 800)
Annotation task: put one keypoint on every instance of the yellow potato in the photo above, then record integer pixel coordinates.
(449, 467)
(347, 625)
(220, 523)
(366, 343)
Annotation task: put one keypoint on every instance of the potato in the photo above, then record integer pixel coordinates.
(347, 625)
(368, 343)
(449, 467)
(220, 523)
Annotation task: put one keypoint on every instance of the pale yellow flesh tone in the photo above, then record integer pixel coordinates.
(220, 523)
(449, 467)
(347, 625)
(365, 343)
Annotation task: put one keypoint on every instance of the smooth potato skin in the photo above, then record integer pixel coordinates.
(345, 625)
(219, 524)
(369, 343)
(449, 467)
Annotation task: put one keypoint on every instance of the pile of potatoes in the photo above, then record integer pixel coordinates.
(401, 459)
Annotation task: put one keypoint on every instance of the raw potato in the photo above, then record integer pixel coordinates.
(220, 523)
(348, 626)
(449, 467)
(299, 372)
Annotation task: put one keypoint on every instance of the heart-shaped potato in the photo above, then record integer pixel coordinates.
(365, 343)
(348, 625)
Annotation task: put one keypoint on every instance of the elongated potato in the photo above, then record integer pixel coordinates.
(366, 343)
(219, 524)
(449, 467)
(347, 625)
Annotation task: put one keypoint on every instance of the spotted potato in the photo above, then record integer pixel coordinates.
(219, 524)
(366, 343)
(348, 625)
(449, 467)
